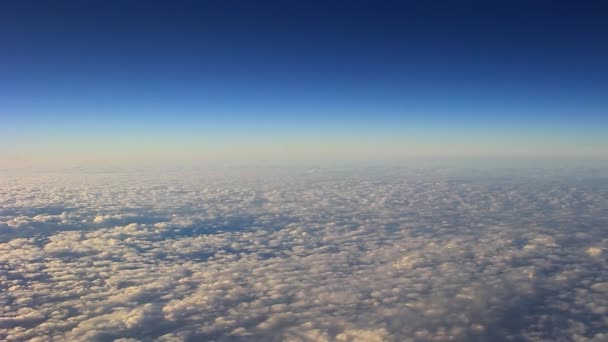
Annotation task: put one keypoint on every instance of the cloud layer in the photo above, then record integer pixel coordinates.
(373, 255)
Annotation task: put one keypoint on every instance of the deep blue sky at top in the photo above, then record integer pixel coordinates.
(290, 64)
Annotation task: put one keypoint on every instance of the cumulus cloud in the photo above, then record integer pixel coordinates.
(380, 255)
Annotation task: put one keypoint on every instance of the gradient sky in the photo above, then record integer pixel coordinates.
(118, 81)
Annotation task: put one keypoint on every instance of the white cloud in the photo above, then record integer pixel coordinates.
(315, 257)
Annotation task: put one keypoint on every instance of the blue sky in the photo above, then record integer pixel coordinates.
(274, 79)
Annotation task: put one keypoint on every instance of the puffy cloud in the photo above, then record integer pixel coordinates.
(382, 255)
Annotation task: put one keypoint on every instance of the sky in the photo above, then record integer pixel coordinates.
(133, 82)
